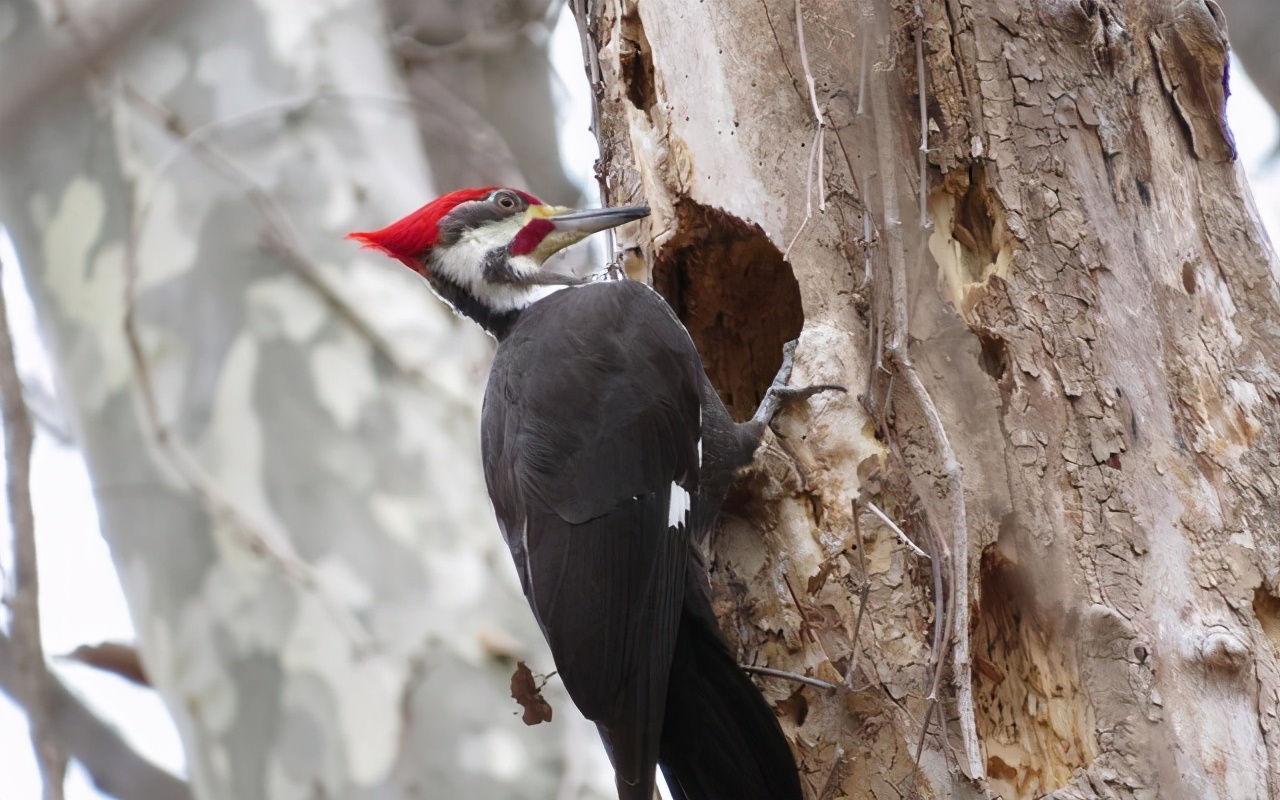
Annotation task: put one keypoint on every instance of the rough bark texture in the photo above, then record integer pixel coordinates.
(1063, 351)
(281, 434)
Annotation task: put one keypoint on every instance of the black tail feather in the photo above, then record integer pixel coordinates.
(720, 738)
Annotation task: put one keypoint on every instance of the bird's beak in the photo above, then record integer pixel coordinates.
(553, 228)
(594, 220)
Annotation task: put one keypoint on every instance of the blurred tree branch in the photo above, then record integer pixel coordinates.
(30, 674)
(482, 68)
(60, 724)
(1254, 28)
(60, 58)
(116, 768)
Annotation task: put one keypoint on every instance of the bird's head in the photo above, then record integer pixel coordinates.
(482, 250)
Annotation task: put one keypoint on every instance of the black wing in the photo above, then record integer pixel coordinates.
(590, 431)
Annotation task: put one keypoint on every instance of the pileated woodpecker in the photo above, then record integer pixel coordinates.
(607, 454)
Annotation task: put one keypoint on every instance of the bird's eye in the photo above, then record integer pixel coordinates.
(505, 200)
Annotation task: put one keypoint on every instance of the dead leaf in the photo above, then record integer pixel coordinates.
(528, 693)
(121, 659)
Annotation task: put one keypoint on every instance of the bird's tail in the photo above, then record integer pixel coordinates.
(720, 738)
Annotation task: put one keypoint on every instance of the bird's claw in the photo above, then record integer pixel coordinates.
(779, 392)
(788, 363)
(790, 393)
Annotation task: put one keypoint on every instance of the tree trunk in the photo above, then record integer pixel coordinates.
(275, 426)
(1059, 322)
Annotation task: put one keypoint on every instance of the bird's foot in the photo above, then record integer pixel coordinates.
(780, 393)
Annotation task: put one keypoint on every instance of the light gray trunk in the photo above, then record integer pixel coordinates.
(281, 432)
(1062, 358)
(1254, 28)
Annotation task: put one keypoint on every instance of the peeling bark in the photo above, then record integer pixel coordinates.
(1064, 372)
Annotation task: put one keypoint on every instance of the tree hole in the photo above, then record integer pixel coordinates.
(637, 63)
(1189, 277)
(992, 358)
(1144, 191)
(1266, 607)
(979, 225)
(740, 301)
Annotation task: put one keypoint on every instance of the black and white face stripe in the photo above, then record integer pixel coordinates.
(477, 260)
(500, 204)
(496, 268)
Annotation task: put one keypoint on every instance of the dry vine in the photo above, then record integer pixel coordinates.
(951, 535)
(817, 153)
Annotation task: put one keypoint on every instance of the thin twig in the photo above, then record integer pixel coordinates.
(924, 732)
(115, 767)
(817, 152)
(590, 59)
(924, 120)
(862, 600)
(25, 603)
(962, 666)
(806, 628)
(866, 246)
(832, 783)
(591, 63)
(941, 615)
(791, 676)
(893, 526)
(819, 118)
(804, 617)
(808, 194)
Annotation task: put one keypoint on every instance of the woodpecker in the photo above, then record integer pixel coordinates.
(607, 454)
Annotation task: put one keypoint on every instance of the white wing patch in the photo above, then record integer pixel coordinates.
(699, 436)
(678, 507)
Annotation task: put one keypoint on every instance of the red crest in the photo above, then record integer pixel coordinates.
(408, 238)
